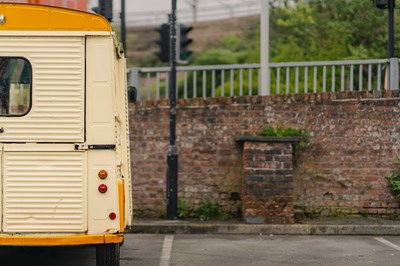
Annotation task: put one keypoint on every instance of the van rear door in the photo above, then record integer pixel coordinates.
(41, 119)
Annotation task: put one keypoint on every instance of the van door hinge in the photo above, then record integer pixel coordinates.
(95, 147)
(101, 146)
(81, 147)
(117, 117)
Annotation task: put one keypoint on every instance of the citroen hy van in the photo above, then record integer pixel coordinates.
(64, 150)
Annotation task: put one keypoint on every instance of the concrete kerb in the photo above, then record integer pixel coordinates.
(177, 227)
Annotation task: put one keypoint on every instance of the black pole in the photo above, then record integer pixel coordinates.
(391, 6)
(123, 25)
(172, 157)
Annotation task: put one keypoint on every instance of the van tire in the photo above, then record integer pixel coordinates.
(107, 255)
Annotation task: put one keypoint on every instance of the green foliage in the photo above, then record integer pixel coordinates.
(306, 30)
(183, 208)
(303, 30)
(137, 213)
(394, 180)
(203, 81)
(231, 50)
(300, 30)
(310, 30)
(218, 56)
(305, 139)
(209, 210)
(268, 131)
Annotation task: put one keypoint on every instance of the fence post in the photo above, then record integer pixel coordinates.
(134, 81)
(394, 73)
(264, 43)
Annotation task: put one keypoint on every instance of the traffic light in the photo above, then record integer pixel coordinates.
(163, 42)
(182, 52)
(183, 42)
(105, 8)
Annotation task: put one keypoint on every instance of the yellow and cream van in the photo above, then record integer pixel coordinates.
(64, 150)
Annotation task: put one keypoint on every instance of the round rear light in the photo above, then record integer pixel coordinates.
(103, 174)
(103, 188)
(112, 216)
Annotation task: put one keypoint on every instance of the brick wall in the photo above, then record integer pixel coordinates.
(355, 142)
(268, 179)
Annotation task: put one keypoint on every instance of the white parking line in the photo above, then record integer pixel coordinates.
(166, 250)
(387, 243)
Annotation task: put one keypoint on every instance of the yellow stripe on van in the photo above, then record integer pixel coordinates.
(121, 198)
(25, 240)
(24, 17)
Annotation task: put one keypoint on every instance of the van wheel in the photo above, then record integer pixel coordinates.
(107, 255)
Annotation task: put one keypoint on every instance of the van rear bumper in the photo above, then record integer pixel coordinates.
(59, 240)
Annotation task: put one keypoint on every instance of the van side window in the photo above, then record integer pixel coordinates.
(15, 86)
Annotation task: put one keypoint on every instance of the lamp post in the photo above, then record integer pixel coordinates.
(391, 7)
(172, 156)
(123, 25)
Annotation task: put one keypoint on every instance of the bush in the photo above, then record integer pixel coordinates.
(208, 210)
(305, 139)
(183, 208)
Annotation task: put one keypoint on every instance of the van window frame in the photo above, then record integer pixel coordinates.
(30, 87)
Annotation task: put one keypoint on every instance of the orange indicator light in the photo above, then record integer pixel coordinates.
(103, 174)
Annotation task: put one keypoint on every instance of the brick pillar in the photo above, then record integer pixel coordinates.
(268, 179)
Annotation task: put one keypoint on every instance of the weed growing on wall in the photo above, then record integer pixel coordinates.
(305, 139)
(304, 135)
(183, 208)
(394, 180)
(209, 211)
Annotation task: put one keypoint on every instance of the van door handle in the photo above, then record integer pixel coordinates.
(1, 129)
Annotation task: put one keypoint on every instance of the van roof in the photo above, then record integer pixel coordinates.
(27, 17)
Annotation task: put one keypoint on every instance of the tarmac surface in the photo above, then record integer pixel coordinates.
(349, 241)
(322, 226)
(259, 250)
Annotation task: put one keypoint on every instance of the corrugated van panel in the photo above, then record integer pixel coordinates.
(57, 112)
(44, 192)
(100, 91)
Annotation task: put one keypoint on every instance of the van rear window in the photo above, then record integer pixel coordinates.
(15, 86)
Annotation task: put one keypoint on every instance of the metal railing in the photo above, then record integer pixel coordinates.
(285, 78)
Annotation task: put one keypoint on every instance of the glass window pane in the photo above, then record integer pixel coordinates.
(15, 86)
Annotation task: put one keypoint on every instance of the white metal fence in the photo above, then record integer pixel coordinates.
(285, 78)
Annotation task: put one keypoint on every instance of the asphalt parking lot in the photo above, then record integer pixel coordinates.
(241, 250)
(232, 250)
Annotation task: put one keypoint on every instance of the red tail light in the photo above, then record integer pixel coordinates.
(112, 216)
(103, 188)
